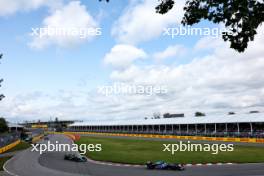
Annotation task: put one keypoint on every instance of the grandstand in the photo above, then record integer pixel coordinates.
(8, 138)
(236, 125)
(15, 127)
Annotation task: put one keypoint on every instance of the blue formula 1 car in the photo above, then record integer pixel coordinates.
(161, 165)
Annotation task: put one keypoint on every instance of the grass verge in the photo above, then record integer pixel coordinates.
(21, 146)
(2, 162)
(134, 151)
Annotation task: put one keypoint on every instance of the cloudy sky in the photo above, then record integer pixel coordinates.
(60, 75)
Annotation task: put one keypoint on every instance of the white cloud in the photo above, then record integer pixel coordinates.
(208, 43)
(122, 56)
(140, 22)
(221, 81)
(170, 51)
(10, 7)
(127, 75)
(73, 18)
(214, 83)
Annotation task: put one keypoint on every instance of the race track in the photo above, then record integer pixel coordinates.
(29, 163)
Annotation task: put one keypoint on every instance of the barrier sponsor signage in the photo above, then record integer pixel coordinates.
(8, 147)
(227, 139)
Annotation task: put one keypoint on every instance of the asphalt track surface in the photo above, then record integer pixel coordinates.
(29, 163)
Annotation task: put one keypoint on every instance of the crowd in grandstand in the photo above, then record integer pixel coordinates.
(212, 130)
(8, 138)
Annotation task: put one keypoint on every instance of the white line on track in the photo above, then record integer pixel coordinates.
(133, 165)
(7, 171)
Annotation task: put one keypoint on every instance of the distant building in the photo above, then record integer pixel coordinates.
(49, 124)
(15, 127)
(246, 125)
(231, 113)
(252, 112)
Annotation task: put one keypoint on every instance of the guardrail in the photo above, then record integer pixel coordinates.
(9, 146)
(13, 144)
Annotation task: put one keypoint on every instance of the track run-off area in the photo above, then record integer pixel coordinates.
(28, 163)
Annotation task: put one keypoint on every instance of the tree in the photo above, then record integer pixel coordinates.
(166, 115)
(253, 112)
(231, 113)
(3, 125)
(156, 115)
(1, 80)
(240, 17)
(199, 114)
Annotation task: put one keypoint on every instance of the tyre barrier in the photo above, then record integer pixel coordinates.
(74, 137)
(37, 138)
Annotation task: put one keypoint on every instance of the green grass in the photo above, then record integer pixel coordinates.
(134, 151)
(2, 162)
(21, 146)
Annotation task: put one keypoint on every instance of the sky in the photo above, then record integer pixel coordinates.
(126, 44)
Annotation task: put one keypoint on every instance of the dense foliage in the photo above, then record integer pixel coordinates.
(240, 17)
(1, 80)
(3, 125)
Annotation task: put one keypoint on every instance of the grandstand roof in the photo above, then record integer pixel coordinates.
(13, 125)
(236, 118)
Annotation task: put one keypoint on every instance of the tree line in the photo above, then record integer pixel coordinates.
(3, 123)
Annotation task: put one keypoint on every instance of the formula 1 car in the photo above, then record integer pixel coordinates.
(161, 165)
(29, 139)
(74, 157)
